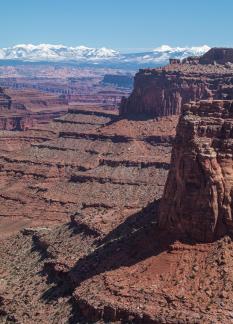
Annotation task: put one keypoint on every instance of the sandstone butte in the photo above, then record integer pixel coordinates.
(163, 91)
(198, 196)
(127, 248)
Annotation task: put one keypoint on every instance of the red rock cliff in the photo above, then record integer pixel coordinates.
(163, 91)
(198, 196)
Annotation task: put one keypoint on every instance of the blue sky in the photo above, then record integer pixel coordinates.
(120, 24)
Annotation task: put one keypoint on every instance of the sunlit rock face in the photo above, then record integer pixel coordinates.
(163, 91)
(198, 196)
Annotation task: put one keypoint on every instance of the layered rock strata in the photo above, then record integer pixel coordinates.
(198, 196)
(21, 110)
(163, 91)
(112, 262)
(90, 163)
(173, 281)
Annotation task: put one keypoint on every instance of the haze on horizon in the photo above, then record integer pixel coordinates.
(125, 25)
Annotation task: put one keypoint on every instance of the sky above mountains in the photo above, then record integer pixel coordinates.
(125, 25)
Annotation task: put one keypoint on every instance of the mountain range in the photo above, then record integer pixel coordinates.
(83, 55)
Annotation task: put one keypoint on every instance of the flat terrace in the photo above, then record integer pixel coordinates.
(107, 166)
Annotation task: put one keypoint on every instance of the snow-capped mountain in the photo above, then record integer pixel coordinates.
(97, 56)
(162, 54)
(47, 52)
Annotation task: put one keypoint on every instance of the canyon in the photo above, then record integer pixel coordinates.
(49, 86)
(122, 216)
(91, 151)
(34, 94)
(21, 110)
(93, 173)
